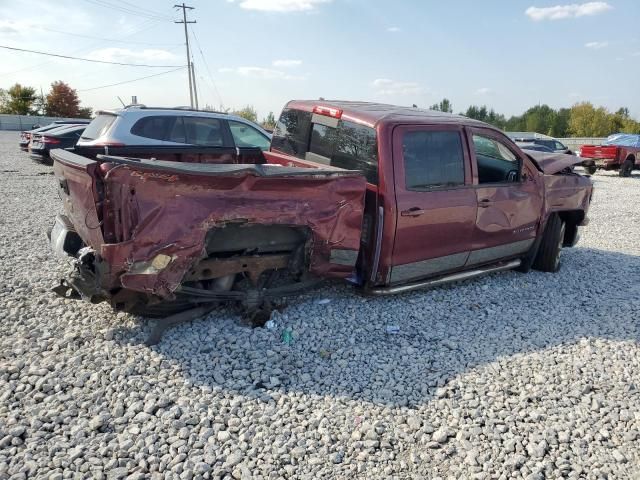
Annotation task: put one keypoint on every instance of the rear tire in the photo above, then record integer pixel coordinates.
(626, 168)
(548, 257)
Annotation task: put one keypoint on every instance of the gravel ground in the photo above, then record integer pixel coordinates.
(511, 376)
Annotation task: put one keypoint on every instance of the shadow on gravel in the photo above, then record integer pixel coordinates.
(341, 349)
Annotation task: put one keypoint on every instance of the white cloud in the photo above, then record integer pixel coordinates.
(483, 91)
(280, 5)
(596, 45)
(115, 54)
(286, 63)
(637, 54)
(261, 73)
(385, 86)
(574, 10)
(393, 29)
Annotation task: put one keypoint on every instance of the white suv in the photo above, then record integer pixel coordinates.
(140, 126)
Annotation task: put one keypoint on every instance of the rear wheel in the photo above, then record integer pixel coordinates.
(626, 168)
(548, 257)
(591, 169)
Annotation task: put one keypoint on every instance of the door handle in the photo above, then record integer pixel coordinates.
(412, 212)
(484, 203)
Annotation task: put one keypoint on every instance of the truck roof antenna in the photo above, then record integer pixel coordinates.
(121, 102)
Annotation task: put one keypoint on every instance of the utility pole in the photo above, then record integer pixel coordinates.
(186, 37)
(195, 89)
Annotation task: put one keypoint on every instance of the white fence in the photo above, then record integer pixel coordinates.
(576, 142)
(24, 122)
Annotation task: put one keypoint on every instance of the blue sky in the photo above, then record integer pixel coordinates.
(508, 55)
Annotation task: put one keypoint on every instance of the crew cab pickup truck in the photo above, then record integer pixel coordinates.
(388, 198)
(620, 152)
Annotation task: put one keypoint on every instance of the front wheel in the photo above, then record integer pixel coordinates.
(591, 169)
(548, 257)
(626, 168)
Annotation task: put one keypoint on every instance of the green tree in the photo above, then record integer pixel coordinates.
(539, 119)
(588, 121)
(85, 112)
(19, 100)
(560, 127)
(248, 112)
(443, 106)
(269, 122)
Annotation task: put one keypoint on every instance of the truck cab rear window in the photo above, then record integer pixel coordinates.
(349, 145)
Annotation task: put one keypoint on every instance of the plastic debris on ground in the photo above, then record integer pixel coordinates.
(392, 329)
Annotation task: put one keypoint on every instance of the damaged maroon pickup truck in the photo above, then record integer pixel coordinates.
(389, 198)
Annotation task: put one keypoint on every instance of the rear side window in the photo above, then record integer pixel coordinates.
(357, 149)
(291, 134)
(155, 127)
(347, 145)
(432, 159)
(206, 132)
(98, 126)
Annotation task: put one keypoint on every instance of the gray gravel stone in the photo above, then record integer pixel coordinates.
(509, 376)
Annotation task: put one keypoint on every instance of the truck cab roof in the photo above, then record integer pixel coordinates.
(372, 114)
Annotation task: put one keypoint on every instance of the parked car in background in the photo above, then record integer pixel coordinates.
(534, 146)
(619, 152)
(64, 136)
(25, 136)
(390, 198)
(174, 134)
(539, 139)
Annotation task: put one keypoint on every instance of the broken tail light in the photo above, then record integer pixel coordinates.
(328, 111)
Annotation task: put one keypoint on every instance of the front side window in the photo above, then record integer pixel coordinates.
(206, 132)
(432, 159)
(246, 136)
(496, 162)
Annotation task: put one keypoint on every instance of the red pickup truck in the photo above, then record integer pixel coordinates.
(620, 152)
(389, 198)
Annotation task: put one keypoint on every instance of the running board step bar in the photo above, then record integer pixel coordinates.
(455, 277)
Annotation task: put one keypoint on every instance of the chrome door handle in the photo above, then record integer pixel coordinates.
(412, 212)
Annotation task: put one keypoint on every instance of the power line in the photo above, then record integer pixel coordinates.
(142, 27)
(105, 39)
(130, 81)
(204, 60)
(88, 59)
(139, 13)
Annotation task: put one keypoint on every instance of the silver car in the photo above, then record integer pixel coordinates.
(172, 127)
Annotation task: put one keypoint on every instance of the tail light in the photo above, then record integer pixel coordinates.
(328, 111)
(50, 140)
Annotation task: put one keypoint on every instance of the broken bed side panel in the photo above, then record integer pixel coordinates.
(175, 211)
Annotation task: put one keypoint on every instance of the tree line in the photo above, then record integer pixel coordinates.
(581, 120)
(60, 101)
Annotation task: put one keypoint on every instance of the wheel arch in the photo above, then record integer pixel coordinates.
(572, 219)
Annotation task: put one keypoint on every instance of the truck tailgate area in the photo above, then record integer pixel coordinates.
(149, 222)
